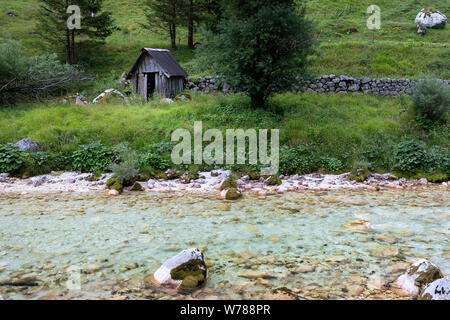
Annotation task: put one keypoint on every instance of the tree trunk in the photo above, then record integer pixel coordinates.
(191, 24)
(73, 47)
(258, 100)
(173, 36)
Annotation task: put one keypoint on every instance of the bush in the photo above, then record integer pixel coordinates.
(296, 160)
(10, 158)
(330, 164)
(431, 101)
(127, 169)
(93, 157)
(32, 77)
(411, 156)
(36, 163)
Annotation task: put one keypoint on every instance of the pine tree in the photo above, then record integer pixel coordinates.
(52, 24)
(166, 16)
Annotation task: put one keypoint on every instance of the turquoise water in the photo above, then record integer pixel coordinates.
(132, 235)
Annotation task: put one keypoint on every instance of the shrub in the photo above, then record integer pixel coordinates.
(36, 163)
(431, 101)
(32, 77)
(93, 157)
(360, 171)
(330, 164)
(10, 158)
(410, 156)
(296, 160)
(127, 169)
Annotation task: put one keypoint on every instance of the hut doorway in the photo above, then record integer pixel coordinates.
(151, 84)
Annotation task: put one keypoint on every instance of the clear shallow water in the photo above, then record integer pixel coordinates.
(132, 235)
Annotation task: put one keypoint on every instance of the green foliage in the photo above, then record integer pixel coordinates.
(10, 158)
(360, 171)
(126, 170)
(330, 164)
(36, 163)
(297, 160)
(431, 102)
(52, 16)
(410, 156)
(260, 47)
(23, 77)
(93, 157)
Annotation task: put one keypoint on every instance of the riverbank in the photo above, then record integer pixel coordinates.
(207, 183)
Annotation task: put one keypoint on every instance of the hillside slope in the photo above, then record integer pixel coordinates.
(346, 45)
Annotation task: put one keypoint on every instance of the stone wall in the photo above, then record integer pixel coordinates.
(324, 84)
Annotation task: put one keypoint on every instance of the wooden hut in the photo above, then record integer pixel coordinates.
(157, 72)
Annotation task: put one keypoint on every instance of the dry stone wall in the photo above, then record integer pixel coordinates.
(325, 84)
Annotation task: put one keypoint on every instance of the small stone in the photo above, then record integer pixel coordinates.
(92, 268)
(257, 275)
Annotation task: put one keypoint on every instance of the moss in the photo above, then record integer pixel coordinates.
(114, 184)
(192, 274)
(94, 177)
(360, 174)
(438, 178)
(229, 183)
(254, 175)
(273, 181)
(183, 97)
(137, 187)
(233, 194)
(162, 176)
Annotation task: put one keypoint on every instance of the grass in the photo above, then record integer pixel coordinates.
(394, 51)
(335, 125)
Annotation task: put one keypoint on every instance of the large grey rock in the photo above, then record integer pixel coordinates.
(437, 290)
(186, 270)
(27, 145)
(428, 18)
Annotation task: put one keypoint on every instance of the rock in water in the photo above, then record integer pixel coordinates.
(27, 145)
(437, 290)
(186, 270)
(428, 18)
(416, 278)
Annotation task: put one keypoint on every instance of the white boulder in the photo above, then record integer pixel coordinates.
(428, 18)
(437, 290)
(187, 269)
(419, 274)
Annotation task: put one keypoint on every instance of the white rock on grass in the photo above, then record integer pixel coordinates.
(437, 290)
(27, 145)
(428, 18)
(418, 275)
(189, 267)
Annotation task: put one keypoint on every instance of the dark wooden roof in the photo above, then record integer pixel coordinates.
(164, 58)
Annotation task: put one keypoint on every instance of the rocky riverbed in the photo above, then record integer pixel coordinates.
(208, 182)
(320, 242)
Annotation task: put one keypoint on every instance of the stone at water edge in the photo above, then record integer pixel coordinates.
(232, 194)
(418, 275)
(186, 270)
(113, 193)
(437, 290)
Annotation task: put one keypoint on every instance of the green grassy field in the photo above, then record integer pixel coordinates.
(394, 51)
(333, 125)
